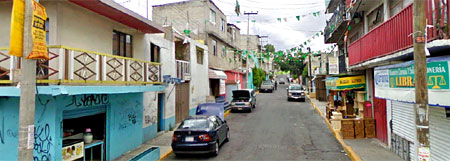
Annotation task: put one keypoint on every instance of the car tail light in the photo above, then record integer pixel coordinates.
(205, 137)
(174, 138)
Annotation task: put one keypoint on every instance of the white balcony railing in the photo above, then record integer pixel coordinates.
(69, 65)
(183, 70)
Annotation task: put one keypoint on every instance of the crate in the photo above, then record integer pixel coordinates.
(369, 127)
(347, 128)
(336, 124)
(359, 128)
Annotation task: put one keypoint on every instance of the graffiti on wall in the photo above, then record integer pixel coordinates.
(89, 100)
(127, 116)
(150, 109)
(42, 143)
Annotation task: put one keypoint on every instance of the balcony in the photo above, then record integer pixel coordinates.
(77, 66)
(393, 35)
(334, 28)
(183, 70)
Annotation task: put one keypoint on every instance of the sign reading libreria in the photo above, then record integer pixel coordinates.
(437, 76)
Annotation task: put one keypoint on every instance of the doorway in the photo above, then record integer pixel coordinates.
(182, 103)
(160, 117)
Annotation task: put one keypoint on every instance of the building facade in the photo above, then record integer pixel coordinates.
(374, 36)
(110, 71)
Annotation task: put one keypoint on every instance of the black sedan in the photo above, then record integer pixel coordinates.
(200, 135)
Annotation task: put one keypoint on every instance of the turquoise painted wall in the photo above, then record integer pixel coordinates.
(250, 80)
(124, 123)
(9, 123)
(149, 132)
(169, 123)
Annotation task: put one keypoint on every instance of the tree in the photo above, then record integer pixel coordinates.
(269, 48)
(258, 77)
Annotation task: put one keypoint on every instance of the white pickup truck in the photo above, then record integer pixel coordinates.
(267, 86)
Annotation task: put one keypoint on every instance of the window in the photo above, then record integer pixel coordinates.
(233, 33)
(212, 17)
(224, 51)
(199, 56)
(214, 46)
(222, 24)
(154, 53)
(122, 44)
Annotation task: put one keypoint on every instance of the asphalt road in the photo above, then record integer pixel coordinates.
(277, 130)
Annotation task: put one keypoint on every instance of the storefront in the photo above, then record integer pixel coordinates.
(346, 94)
(395, 83)
(77, 126)
(234, 81)
(217, 84)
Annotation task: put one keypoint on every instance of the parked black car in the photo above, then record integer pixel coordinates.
(200, 135)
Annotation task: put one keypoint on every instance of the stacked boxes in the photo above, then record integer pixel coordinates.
(348, 130)
(369, 125)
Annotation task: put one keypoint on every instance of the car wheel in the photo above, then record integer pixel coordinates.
(227, 139)
(216, 149)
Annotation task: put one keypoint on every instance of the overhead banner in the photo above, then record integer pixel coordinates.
(333, 65)
(16, 35)
(397, 82)
(39, 35)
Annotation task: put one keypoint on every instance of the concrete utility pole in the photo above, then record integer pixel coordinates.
(420, 76)
(27, 90)
(248, 40)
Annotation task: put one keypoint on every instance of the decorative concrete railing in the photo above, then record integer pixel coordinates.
(77, 66)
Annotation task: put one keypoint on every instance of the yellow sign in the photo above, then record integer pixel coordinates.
(39, 34)
(346, 81)
(16, 35)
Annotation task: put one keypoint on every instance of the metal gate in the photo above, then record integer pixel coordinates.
(403, 123)
(439, 134)
(182, 102)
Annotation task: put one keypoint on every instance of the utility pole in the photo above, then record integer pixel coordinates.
(248, 40)
(420, 78)
(27, 90)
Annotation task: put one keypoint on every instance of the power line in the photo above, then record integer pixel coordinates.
(265, 8)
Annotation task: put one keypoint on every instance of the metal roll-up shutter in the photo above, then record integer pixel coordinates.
(439, 134)
(403, 123)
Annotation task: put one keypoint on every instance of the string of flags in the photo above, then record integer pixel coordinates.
(297, 17)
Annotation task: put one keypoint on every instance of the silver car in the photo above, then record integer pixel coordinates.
(296, 92)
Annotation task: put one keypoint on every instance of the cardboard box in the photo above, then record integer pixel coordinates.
(359, 128)
(336, 124)
(347, 128)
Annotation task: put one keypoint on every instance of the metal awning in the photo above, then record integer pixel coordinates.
(216, 74)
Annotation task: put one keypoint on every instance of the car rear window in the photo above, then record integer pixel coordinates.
(267, 83)
(295, 87)
(194, 124)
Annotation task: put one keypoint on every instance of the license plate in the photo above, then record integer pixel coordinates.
(189, 139)
(239, 108)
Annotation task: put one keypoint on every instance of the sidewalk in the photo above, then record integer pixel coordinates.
(369, 149)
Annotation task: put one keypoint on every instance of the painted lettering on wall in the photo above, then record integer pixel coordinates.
(42, 143)
(437, 76)
(89, 100)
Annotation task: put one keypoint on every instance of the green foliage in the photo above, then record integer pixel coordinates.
(258, 77)
(305, 72)
(270, 48)
(294, 65)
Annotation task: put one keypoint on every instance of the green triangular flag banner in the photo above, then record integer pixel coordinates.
(314, 14)
(253, 20)
(298, 18)
(238, 21)
(279, 19)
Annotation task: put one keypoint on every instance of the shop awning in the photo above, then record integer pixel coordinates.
(346, 83)
(217, 74)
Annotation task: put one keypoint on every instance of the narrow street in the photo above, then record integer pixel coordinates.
(277, 130)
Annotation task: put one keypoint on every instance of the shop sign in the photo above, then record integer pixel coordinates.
(437, 76)
(333, 65)
(424, 154)
(222, 87)
(381, 78)
(348, 81)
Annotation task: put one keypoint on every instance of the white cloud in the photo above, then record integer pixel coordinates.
(284, 35)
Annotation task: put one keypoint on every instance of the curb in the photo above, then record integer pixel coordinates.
(350, 152)
(171, 151)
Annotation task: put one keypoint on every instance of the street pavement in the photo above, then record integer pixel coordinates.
(277, 130)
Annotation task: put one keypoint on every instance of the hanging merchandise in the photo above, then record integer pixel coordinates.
(16, 35)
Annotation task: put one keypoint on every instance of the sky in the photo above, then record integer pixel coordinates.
(283, 35)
